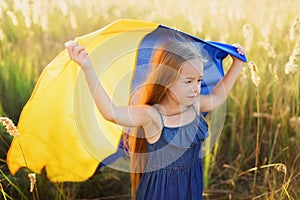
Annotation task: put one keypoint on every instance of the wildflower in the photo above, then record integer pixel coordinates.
(274, 69)
(24, 8)
(254, 77)
(291, 66)
(281, 167)
(10, 127)
(271, 51)
(32, 179)
(295, 123)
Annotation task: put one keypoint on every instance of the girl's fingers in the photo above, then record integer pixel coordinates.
(76, 52)
(70, 47)
(70, 43)
(239, 49)
(78, 49)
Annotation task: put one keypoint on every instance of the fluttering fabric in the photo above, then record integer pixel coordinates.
(61, 130)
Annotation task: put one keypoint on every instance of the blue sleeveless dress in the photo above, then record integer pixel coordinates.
(174, 165)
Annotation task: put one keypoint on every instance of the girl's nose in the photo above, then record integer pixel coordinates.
(196, 87)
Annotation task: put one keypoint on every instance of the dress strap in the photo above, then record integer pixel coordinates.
(199, 114)
(161, 117)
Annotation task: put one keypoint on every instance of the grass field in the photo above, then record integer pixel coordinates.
(257, 155)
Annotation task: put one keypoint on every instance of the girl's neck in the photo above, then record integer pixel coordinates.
(169, 109)
(176, 116)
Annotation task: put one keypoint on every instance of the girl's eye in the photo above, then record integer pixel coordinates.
(199, 80)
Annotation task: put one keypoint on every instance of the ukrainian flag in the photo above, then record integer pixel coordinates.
(60, 128)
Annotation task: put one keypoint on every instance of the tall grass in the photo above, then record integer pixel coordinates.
(257, 155)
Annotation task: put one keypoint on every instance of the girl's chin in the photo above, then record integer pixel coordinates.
(189, 102)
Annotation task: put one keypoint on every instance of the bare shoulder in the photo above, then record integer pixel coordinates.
(147, 114)
(154, 116)
(148, 110)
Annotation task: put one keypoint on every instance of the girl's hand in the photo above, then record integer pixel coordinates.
(78, 54)
(240, 50)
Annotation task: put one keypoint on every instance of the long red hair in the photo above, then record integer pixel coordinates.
(165, 63)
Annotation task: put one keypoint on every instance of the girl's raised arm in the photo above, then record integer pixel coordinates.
(130, 116)
(222, 89)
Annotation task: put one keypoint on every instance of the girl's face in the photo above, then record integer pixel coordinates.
(187, 87)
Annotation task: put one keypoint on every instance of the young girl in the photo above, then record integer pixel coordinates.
(166, 144)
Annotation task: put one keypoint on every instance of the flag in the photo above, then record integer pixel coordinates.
(61, 130)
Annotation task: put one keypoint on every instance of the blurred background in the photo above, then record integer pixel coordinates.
(257, 155)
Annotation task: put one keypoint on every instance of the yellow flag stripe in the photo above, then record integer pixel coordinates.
(60, 127)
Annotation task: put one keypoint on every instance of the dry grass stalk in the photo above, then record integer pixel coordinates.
(254, 73)
(295, 124)
(248, 35)
(295, 29)
(271, 51)
(292, 66)
(32, 179)
(13, 17)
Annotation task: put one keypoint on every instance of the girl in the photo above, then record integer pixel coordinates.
(165, 146)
